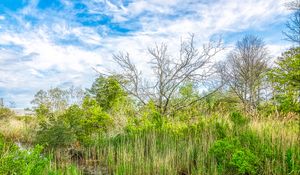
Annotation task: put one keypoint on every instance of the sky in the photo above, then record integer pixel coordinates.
(58, 43)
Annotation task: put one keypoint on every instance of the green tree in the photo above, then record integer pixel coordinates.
(95, 119)
(285, 78)
(107, 91)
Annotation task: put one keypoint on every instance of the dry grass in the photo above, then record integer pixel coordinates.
(286, 129)
(18, 129)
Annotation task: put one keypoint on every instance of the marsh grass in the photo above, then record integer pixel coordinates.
(188, 150)
(248, 146)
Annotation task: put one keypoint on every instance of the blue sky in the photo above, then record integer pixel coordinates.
(50, 43)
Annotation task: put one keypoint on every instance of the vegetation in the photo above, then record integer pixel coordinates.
(286, 80)
(206, 137)
(14, 160)
(246, 122)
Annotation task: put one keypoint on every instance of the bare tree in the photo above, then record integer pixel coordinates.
(293, 25)
(244, 70)
(192, 65)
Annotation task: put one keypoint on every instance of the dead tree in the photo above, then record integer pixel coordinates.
(244, 70)
(293, 25)
(193, 65)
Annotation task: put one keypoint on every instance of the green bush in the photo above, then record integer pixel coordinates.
(223, 150)
(244, 161)
(232, 157)
(56, 134)
(240, 151)
(23, 162)
(16, 161)
(61, 130)
(94, 118)
(75, 124)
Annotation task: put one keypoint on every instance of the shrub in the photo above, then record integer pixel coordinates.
(232, 157)
(75, 124)
(94, 120)
(23, 162)
(223, 150)
(56, 134)
(61, 130)
(244, 161)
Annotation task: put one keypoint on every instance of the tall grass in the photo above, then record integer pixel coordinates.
(207, 145)
(188, 150)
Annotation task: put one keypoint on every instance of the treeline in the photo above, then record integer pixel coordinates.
(245, 81)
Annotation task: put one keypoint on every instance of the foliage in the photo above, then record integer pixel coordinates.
(56, 134)
(23, 162)
(19, 161)
(94, 120)
(181, 148)
(245, 162)
(75, 124)
(232, 157)
(286, 80)
(54, 99)
(107, 91)
(221, 101)
(244, 151)
(208, 135)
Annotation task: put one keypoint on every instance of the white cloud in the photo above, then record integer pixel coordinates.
(54, 63)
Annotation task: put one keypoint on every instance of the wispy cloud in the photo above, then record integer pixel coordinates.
(57, 43)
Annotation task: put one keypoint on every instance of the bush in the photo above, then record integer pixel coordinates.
(75, 124)
(13, 160)
(23, 162)
(223, 150)
(244, 162)
(56, 134)
(233, 158)
(61, 130)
